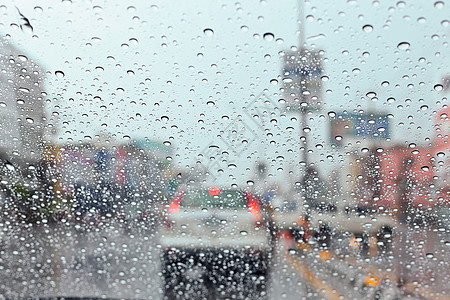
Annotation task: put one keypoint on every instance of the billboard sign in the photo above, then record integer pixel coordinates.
(302, 79)
(345, 126)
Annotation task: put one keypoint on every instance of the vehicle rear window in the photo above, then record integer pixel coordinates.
(226, 199)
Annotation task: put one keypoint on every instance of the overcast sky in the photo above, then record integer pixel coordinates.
(185, 72)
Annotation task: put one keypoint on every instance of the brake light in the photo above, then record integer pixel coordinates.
(174, 206)
(254, 209)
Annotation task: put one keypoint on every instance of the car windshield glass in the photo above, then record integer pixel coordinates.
(215, 149)
(226, 199)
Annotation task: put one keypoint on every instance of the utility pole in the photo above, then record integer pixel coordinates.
(303, 109)
(302, 69)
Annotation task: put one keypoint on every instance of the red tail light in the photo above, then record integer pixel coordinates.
(174, 206)
(254, 209)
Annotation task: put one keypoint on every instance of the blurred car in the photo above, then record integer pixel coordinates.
(324, 220)
(364, 224)
(214, 240)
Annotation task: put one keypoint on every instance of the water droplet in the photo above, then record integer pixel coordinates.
(250, 182)
(210, 103)
(421, 20)
(371, 94)
(165, 118)
(438, 87)
(10, 167)
(38, 9)
(208, 32)
(22, 57)
(440, 154)
(30, 120)
(338, 138)
(126, 137)
(385, 83)
(367, 28)
(310, 18)
(243, 232)
(244, 28)
(429, 255)
(20, 101)
(424, 107)
(325, 78)
(130, 72)
(332, 114)
(403, 45)
(232, 166)
(268, 36)
(59, 74)
(425, 168)
(390, 100)
(274, 81)
(439, 4)
(23, 89)
(2, 104)
(401, 4)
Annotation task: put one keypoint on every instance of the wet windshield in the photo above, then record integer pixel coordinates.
(260, 149)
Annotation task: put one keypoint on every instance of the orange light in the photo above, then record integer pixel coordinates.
(372, 280)
(325, 255)
(354, 243)
(214, 191)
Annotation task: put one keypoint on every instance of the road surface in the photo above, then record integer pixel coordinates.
(117, 261)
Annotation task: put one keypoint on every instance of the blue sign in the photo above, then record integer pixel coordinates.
(371, 126)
